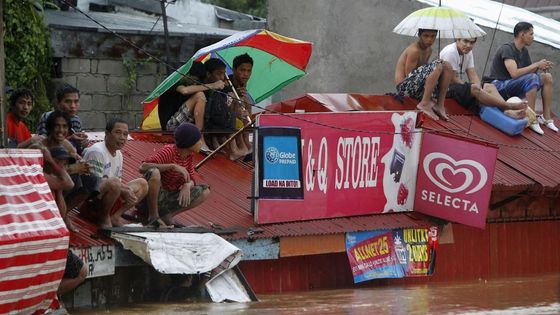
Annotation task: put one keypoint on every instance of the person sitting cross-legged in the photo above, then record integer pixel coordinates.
(174, 164)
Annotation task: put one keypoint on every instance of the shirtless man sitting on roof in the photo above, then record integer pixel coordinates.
(423, 80)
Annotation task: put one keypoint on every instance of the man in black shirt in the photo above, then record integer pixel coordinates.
(515, 74)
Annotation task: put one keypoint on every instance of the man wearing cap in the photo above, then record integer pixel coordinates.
(107, 162)
(174, 164)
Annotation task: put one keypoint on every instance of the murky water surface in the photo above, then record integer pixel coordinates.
(535, 295)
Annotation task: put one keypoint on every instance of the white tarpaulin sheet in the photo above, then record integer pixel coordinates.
(487, 13)
(182, 253)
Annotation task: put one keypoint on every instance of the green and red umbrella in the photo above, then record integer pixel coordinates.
(278, 61)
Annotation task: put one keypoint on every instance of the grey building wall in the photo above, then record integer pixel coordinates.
(355, 50)
(107, 88)
(94, 63)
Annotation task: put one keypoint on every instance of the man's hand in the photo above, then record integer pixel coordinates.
(81, 167)
(128, 195)
(183, 171)
(545, 65)
(185, 194)
(80, 138)
(218, 85)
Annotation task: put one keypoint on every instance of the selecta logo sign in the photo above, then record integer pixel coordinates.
(455, 179)
(436, 173)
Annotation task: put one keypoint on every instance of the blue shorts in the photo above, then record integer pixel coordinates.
(518, 87)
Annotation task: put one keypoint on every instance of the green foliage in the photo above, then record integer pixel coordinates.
(131, 66)
(28, 52)
(254, 7)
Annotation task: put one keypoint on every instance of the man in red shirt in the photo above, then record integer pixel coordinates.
(21, 103)
(173, 164)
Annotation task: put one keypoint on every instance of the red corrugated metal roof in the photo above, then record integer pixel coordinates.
(229, 204)
(524, 161)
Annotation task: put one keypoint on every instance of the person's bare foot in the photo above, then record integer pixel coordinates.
(426, 108)
(237, 155)
(157, 223)
(105, 223)
(515, 114)
(440, 111)
(118, 221)
(521, 105)
(70, 226)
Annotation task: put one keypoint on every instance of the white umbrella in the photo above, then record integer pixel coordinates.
(449, 22)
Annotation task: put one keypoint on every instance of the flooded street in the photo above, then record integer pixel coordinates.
(535, 295)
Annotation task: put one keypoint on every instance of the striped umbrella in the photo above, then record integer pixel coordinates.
(278, 61)
(449, 22)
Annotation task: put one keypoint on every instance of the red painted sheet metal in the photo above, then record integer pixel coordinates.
(229, 203)
(501, 250)
(33, 238)
(87, 233)
(524, 162)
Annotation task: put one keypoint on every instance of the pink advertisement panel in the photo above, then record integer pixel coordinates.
(353, 164)
(455, 179)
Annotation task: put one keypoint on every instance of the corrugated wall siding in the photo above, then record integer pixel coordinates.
(502, 250)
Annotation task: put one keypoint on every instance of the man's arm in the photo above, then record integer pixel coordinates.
(411, 61)
(515, 72)
(165, 167)
(59, 179)
(473, 76)
(96, 161)
(191, 89)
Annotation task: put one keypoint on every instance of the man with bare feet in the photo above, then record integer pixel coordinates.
(423, 80)
(514, 74)
(471, 94)
(174, 163)
(106, 161)
(192, 110)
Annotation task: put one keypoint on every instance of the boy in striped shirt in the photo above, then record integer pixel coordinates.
(174, 164)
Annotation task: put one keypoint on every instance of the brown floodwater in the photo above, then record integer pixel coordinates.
(534, 295)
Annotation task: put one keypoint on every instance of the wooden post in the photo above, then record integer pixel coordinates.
(166, 34)
(2, 80)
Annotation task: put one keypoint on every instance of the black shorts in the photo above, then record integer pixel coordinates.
(73, 266)
(461, 92)
(84, 184)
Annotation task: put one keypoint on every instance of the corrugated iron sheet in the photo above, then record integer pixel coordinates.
(229, 204)
(525, 162)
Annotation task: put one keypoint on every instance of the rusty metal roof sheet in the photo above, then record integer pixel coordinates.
(525, 162)
(229, 204)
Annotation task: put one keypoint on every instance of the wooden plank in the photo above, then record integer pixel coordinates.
(312, 245)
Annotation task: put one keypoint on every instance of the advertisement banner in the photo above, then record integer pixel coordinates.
(392, 253)
(353, 164)
(455, 179)
(279, 163)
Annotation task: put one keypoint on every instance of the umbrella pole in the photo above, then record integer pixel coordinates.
(223, 145)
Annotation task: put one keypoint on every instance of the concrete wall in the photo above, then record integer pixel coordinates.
(354, 48)
(104, 89)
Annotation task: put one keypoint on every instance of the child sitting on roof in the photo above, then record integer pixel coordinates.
(174, 163)
(192, 101)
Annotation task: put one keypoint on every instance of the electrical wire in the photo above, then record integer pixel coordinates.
(299, 117)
